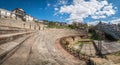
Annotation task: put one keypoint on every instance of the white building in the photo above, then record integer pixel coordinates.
(28, 18)
(5, 13)
(13, 16)
(18, 14)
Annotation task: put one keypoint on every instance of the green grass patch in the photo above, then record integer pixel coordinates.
(117, 54)
(80, 44)
(59, 27)
(118, 41)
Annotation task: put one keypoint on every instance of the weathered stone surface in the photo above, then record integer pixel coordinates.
(21, 24)
(69, 40)
(77, 38)
(44, 51)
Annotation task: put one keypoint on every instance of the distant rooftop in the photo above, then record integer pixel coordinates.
(19, 9)
(4, 10)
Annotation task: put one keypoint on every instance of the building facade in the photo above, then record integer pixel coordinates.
(17, 17)
(28, 18)
(5, 13)
(18, 14)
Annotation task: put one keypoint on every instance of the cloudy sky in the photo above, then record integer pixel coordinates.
(88, 11)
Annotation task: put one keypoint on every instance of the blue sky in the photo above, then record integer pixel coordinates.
(54, 10)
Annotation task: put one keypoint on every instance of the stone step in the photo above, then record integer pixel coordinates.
(10, 31)
(9, 37)
(21, 56)
(88, 49)
(9, 46)
(9, 27)
(108, 47)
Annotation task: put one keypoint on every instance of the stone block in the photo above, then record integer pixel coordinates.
(69, 40)
(77, 38)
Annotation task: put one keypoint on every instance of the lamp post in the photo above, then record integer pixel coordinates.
(99, 39)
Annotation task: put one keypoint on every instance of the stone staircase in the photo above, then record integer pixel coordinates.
(10, 39)
(8, 30)
(8, 33)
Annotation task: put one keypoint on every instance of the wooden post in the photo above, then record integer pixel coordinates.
(24, 25)
(10, 15)
(39, 27)
(6, 14)
(30, 26)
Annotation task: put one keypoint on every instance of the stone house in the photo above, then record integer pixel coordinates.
(21, 16)
(5, 13)
(28, 18)
(13, 16)
(20, 13)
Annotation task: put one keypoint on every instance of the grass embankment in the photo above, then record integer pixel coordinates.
(79, 45)
(117, 54)
(118, 41)
(59, 27)
(93, 35)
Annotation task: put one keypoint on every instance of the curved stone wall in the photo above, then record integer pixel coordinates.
(67, 42)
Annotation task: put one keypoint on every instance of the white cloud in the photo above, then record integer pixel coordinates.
(61, 17)
(98, 16)
(95, 22)
(48, 4)
(56, 9)
(62, 2)
(116, 21)
(81, 9)
(106, 11)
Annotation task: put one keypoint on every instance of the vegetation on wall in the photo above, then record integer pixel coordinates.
(94, 35)
(56, 25)
(74, 25)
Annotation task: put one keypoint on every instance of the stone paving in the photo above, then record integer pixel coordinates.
(43, 50)
(45, 53)
(109, 47)
(40, 49)
(20, 57)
